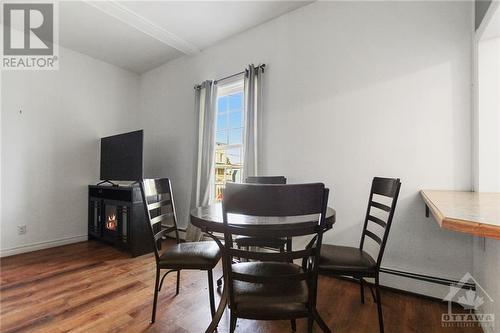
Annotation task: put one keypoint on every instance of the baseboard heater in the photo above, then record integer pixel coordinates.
(428, 278)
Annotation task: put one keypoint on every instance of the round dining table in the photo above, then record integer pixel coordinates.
(209, 220)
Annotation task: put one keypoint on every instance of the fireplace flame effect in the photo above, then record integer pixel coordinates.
(111, 222)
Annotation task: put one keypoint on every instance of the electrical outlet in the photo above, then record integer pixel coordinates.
(21, 229)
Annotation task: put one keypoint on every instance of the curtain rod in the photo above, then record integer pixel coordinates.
(261, 66)
(230, 76)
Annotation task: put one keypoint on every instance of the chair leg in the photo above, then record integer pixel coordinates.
(211, 292)
(362, 290)
(164, 276)
(379, 306)
(310, 322)
(155, 299)
(232, 325)
(324, 327)
(294, 325)
(178, 280)
(373, 293)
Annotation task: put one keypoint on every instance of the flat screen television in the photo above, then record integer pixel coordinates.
(121, 156)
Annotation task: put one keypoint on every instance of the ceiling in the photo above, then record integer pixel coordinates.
(492, 23)
(141, 35)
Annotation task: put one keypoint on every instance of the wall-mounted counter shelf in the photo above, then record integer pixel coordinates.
(474, 213)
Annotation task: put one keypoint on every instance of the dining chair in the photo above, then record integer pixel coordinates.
(266, 180)
(268, 285)
(161, 218)
(279, 244)
(356, 262)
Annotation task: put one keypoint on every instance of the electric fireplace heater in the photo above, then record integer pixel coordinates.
(117, 217)
(115, 222)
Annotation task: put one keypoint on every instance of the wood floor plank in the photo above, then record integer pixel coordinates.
(91, 287)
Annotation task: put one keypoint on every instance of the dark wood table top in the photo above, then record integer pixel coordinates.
(209, 218)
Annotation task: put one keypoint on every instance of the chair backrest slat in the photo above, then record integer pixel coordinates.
(286, 202)
(389, 188)
(156, 186)
(274, 200)
(380, 206)
(268, 256)
(266, 180)
(158, 197)
(380, 222)
(162, 217)
(279, 231)
(373, 236)
(159, 204)
(385, 186)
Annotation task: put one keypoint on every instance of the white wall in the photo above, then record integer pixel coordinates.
(486, 252)
(486, 270)
(50, 151)
(353, 90)
(488, 131)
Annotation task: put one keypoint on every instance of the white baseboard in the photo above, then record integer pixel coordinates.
(53, 243)
(42, 245)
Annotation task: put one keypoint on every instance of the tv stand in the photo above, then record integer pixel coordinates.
(107, 181)
(117, 217)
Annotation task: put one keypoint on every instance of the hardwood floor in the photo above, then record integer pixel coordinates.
(91, 287)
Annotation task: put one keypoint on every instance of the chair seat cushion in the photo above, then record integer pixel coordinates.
(340, 259)
(193, 255)
(274, 243)
(269, 300)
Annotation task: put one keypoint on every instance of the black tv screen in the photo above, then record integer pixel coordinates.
(121, 156)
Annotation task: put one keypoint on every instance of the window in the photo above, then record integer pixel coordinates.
(229, 131)
(487, 103)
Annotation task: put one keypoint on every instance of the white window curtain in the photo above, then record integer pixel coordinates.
(205, 107)
(253, 109)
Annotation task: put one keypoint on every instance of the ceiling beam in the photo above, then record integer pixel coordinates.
(127, 16)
